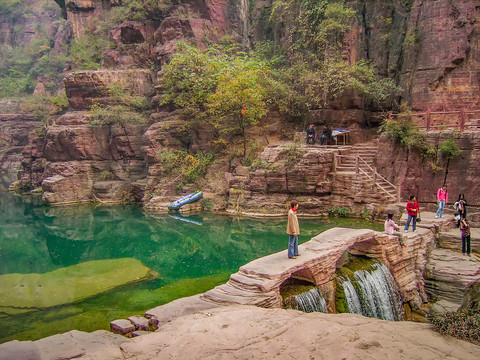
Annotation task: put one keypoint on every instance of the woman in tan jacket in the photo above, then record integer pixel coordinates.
(293, 229)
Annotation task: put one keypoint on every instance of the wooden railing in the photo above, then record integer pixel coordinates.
(362, 167)
(440, 120)
(373, 175)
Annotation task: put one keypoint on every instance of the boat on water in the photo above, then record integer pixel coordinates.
(184, 200)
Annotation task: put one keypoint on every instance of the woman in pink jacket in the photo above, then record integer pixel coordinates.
(442, 199)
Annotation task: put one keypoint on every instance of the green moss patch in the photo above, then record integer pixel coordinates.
(24, 292)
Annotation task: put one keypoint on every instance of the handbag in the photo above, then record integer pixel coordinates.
(457, 217)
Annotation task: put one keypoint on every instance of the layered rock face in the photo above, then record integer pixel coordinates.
(20, 27)
(285, 172)
(80, 12)
(431, 46)
(86, 88)
(14, 130)
(74, 157)
(77, 161)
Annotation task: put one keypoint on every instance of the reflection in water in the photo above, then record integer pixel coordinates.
(189, 259)
(188, 219)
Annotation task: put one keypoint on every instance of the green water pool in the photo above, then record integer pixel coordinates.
(80, 267)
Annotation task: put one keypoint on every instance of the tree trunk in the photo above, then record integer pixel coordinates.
(446, 171)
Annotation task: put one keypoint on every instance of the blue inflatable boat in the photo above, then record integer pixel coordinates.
(184, 200)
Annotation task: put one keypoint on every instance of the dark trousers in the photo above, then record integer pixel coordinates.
(466, 244)
(310, 139)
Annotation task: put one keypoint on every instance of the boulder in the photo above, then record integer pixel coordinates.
(449, 275)
(122, 327)
(140, 322)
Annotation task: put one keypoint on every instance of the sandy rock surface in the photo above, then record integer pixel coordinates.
(245, 332)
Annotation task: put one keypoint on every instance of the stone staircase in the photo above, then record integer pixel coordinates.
(359, 161)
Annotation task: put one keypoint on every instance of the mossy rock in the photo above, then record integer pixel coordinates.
(24, 292)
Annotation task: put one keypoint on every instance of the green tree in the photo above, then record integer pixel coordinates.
(242, 87)
(213, 86)
(190, 78)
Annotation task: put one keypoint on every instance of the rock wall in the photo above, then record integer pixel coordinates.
(74, 157)
(30, 20)
(304, 173)
(431, 47)
(14, 130)
(80, 12)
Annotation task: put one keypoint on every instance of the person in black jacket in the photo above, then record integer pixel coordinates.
(461, 208)
(326, 135)
(311, 134)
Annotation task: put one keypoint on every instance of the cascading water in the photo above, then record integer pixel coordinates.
(309, 301)
(353, 301)
(375, 294)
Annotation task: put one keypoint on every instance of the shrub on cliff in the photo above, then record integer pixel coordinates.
(463, 325)
(314, 38)
(181, 163)
(125, 107)
(404, 131)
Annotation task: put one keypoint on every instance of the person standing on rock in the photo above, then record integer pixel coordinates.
(465, 230)
(412, 211)
(442, 199)
(461, 207)
(293, 229)
(392, 229)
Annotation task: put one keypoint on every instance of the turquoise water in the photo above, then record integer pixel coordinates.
(187, 255)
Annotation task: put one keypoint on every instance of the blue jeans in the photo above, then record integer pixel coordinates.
(441, 205)
(292, 246)
(414, 225)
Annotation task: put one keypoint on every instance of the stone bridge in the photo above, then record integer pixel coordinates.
(260, 281)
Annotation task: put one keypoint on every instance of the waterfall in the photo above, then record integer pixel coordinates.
(353, 301)
(310, 301)
(375, 294)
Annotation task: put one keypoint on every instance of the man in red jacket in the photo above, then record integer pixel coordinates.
(412, 210)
